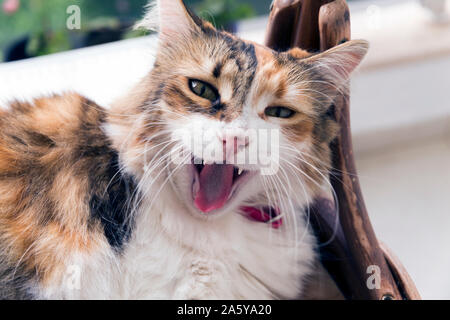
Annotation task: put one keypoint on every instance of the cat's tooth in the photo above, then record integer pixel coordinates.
(240, 171)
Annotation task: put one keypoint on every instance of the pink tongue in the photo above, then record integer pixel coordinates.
(216, 181)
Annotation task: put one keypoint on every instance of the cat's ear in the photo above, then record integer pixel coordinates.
(171, 18)
(336, 64)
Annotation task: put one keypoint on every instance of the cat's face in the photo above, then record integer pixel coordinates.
(237, 122)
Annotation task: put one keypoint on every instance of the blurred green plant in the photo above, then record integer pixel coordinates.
(223, 13)
(41, 24)
(40, 20)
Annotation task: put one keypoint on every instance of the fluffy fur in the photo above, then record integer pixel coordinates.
(92, 206)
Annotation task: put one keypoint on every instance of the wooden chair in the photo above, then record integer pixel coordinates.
(351, 249)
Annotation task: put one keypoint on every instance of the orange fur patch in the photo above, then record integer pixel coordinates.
(43, 208)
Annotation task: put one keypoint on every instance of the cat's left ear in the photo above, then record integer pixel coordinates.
(336, 64)
(171, 18)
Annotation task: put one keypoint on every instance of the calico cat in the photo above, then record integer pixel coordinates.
(123, 202)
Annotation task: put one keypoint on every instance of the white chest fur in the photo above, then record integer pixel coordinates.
(173, 255)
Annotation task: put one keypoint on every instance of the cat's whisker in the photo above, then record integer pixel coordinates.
(153, 166)
(155, 178)
(333, 192)
(171, 173)
(149, 170)
(300, 181)
(287, 198)
(300, 157)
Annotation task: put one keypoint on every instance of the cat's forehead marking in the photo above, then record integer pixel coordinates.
(232, 66)
(243, 54)
(271, 76)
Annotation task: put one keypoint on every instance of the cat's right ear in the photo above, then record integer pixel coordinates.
(171, 18)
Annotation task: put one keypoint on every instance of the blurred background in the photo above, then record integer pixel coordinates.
(37, 27)
(400, 104)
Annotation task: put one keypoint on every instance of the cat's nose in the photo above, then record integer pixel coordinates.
(232, 144)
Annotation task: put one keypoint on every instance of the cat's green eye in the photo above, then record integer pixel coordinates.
(279, 112)
(204, 90)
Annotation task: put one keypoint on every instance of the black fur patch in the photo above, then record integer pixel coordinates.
(111, 191)
(15, 283)
(111, 201)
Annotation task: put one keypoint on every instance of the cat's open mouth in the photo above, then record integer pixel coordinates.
(215, 184)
